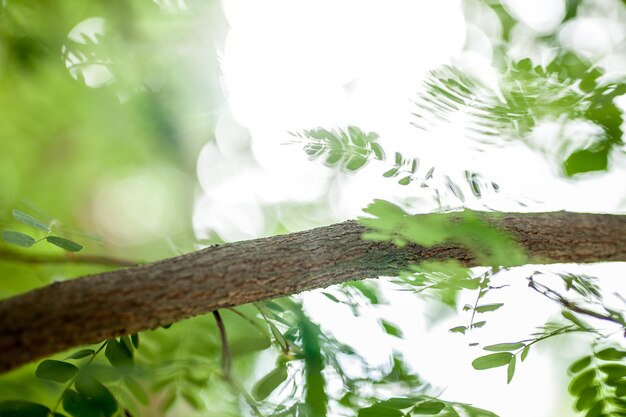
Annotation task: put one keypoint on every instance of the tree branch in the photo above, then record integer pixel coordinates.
(94, 308)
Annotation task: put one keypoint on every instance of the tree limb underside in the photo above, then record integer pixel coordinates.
(94, 308)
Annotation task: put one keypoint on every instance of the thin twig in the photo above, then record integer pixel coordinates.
(226, 357)
(70, 258)
(227, 366)
(570, 305)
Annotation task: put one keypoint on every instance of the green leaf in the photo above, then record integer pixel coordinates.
(98, 395)
(469, 284)
(378, 151)
(400, 402)
(458, 329)
(134, 338)
(620, 402)
(17, 238)
(587, 398)
(83, 353)
(581, 381)
(488, 307)
(366, 289)
(614, 371)
(333, 157)
(429, 407)
(316, 399)
(380, 410)
(63, 243)
(22, 409)
(118, 354)
(125, 341)
(586, 160)
(524, 64)
(511, 369)
(264, 387)
(615, 382)
(391, 329)
(355, 163)
(455, 189)
(493, 360)
(478, 324)
(588, 83)
(596, 410)
(55, 370)
(610, 354)
(504, 347)
(278, 336)
(29, 220)
(524, 353)
(580, 364)
(578, 322)
(331, 297)
(385, 209)
(78, 405)
(391, 173)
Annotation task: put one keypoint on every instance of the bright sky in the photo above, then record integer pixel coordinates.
(288, 66)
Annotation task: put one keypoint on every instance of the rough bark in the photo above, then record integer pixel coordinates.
(93, 308)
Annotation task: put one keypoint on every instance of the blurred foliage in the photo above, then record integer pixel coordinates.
(95, 92)
(599, 382)
(566, 90)
(95, 96)
(389, 222)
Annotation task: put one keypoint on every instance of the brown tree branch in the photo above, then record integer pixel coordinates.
(94, 308)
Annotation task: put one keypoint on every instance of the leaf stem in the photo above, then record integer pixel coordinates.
(557, 332)
(568, 304)
(478, 297)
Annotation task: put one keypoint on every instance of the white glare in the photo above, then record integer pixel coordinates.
(295, 65)
(542, 16)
